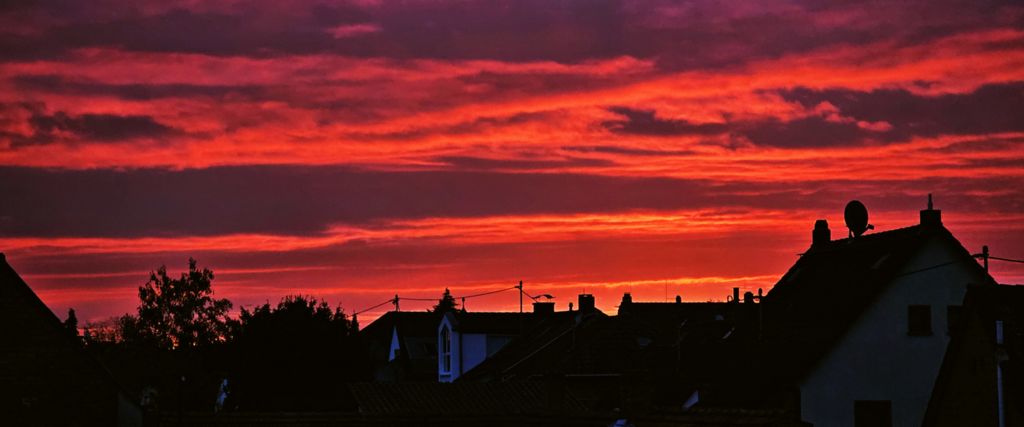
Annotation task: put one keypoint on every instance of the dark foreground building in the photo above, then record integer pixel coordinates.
(982, 378)
(46, 377)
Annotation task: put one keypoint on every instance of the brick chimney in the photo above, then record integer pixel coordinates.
(931, 216)
(821, 233)
(586, 302)
(543, 307)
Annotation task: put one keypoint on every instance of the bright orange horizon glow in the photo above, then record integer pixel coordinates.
(361, 149)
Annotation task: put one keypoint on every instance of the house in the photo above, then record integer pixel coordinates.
(853, 334)
(467, 339)
(981, 382)
(625, 364)
(402, 346)
(46, 376)
(859, 326)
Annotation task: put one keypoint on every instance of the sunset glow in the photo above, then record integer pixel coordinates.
(354, 151)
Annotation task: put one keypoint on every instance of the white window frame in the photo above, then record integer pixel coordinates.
(446, 350)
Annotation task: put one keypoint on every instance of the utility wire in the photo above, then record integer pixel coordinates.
(389, 301)
(1006, 259)
(488, 293)
(392, 300)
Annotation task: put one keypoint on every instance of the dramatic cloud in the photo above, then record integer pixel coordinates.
(362, 148)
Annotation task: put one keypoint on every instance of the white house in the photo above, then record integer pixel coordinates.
(873, 314)
(465, 339)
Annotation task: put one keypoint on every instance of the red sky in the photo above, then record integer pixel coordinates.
(351, 151)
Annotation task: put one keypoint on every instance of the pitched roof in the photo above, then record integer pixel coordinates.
(417, 337)
(427, 398)
(964, 391)
(538, 350)
(504, 323)
(42, 366)
(409, 323)
(815, 303)
(645, 337)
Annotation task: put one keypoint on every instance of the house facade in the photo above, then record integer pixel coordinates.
(464, 340)
(894, 297)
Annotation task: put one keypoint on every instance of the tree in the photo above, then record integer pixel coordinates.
(446, 303)
(176, 313)
(299, 332)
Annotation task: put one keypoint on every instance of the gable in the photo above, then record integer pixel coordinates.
(47, 376)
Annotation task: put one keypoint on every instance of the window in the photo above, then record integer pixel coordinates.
(919, 320)
(446, 350)
(952, 318)
(872, 413)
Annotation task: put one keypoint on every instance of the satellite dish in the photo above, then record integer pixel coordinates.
(856, 216)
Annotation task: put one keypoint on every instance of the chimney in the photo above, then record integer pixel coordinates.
(821, 233)
(543, 307)
(931, 216)
(586, 302)
(627, 299)
(679, 299)
(735, 294)
(748, 297)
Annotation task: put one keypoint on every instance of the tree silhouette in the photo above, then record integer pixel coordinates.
(446, 303)
(300, 332)
(181, 312)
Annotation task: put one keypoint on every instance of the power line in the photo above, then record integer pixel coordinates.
(388, 301)
(398, 298)
(1006, 259)
(488, 293)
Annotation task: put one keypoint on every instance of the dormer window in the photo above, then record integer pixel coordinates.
(446, 350)
(919, 320)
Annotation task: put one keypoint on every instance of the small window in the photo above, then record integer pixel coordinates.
(872, 413)
(953, 318)
(446, 350)
(919, 320)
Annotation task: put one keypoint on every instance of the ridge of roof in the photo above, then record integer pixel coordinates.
(820, 297)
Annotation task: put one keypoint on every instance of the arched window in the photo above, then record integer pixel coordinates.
(446, 350)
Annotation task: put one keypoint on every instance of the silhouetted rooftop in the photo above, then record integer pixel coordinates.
(505, 323)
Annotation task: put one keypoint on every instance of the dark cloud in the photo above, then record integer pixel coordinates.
(305, 200)
(46, 128)
(135, 92)
(484, 164)
(644, 122)
(803, 133)
(898, 116)
(989, 109)
(611, 149)
(691, 35)
(100, 127)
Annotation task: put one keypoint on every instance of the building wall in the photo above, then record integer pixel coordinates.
(474, 351)
(877, 359)
(468, 350)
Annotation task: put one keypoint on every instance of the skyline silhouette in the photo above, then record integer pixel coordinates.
(356, 150)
